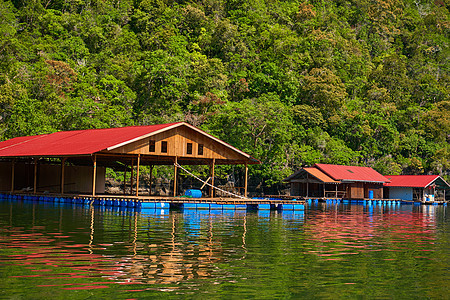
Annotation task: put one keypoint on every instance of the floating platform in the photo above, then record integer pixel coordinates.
(365, 201)
(157, 202)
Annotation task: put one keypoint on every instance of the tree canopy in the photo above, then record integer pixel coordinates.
(292, 83)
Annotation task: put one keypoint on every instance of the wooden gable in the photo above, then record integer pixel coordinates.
(182, 142)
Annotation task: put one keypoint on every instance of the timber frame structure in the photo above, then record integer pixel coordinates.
(74, 162)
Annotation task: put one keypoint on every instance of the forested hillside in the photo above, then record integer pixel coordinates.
(292, 83)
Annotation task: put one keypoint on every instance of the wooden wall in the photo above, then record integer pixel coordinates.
(5, 176)
(360, 190)
(177, 140)
(78, 179)
(377, 189)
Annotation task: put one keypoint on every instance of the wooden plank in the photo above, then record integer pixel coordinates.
(177, 140)
(209, 178)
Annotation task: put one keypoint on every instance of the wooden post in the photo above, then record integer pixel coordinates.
(125, 180)
(151, 179)
(35, 175)
(63, 164)
(94, 175)
(13, 163)
(212, 177)
(336, 191)
(307, 186)
(131, 179)
(175, 171)
(246, 181)
(137, 174)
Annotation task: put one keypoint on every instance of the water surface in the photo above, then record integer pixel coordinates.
(329, 251)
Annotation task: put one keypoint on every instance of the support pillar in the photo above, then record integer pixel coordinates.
(13, 167)
(35, 175)
(125, 181)
(94, 175)
(212, 177)
(151, 180)
(63, 164)
(307, 186)
(246, 181)
(131, 179)
(137, 174)
(175, 175)
(336, 191)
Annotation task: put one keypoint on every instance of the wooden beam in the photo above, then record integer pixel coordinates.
(125, 181)
(137, 174)
(151, 179)
(63, 164)
(175, 171)
(246, 181)
(35, 175)
(131, 178)
(307, 185)
(13, 167)
(209, 178)
(94, 175)
(212, 177)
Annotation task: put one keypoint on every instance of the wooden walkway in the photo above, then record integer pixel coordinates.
(159, 202)
(275, 201)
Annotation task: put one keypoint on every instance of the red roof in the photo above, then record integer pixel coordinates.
(320, 175)
(419, 181)
(351, 173)
(79, 142)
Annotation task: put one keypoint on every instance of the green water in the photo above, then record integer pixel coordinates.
(54, 251)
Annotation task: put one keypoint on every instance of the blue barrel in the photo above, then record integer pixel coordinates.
(264, 206)
(193, 193)
(370, 194)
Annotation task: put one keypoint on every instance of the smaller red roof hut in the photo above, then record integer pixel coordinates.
(340, 181)
(417, 188)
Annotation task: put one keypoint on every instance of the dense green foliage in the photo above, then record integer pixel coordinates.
(290, 82)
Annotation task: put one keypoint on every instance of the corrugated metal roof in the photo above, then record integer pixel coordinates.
(351, 173)
(320, 175)
(419, 181)
(87, 142)
(79, 142)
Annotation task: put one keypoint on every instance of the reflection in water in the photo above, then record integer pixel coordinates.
(337, 234)
(101, 250)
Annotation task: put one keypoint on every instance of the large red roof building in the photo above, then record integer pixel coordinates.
(75, 161)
